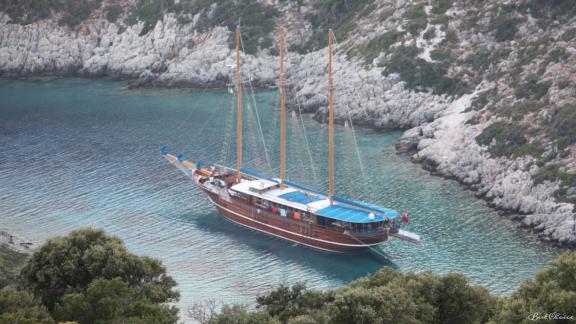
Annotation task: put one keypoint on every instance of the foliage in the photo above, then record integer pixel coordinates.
(113, 12)
(483, 98)
(375, 46)
(384, 297)
(336, 14)
(562, 127)
(420, 74)
(505, 28)
(10, 263)
(519, 109)
(532, 89)
(21, 306)
(416, 19)
(553, 291)
(146, 11)
(239, 314)
(107, 300)
(568, 35)
(505, 139)
(64, 269)
(28, 11)
(76, 11)
(441, 6)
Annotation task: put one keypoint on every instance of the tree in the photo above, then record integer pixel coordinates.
(20, 306)
(552, 292)
(88, 275)
(111, 301)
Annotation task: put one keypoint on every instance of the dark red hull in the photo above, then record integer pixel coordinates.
(296, 231)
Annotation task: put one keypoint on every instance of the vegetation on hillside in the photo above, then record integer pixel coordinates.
(392, 297)
(88, 277)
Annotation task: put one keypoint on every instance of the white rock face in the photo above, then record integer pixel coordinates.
(170, 55)
(175, 55)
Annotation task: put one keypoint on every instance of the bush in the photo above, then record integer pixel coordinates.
(562, 128)
(78, 274)
(505, 28)
(113, 12)
(520, 109)
(420, 74)
(532, 89)
(384, 297)
(506, 139)
(416, 19)
(552, 292)
(147, 11)
(337, 14)
(377, 45)
(441, 6)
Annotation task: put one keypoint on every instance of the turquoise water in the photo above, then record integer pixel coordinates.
(77, 152)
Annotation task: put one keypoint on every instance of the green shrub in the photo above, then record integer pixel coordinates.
(441, 6)
(483, 98)
(420, 75)
(377, 45)
(505, 28)
(532, 89)
(431, 33)
(505, 139)
(563, 126)
(339, 15)
(568, 35)
(416, 19)
(519, 109)
(113, 12)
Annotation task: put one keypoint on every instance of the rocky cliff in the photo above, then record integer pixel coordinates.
(483, 89)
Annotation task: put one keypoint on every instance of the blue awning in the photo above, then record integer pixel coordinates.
(387, 211)
(348, 214)
(300, 197)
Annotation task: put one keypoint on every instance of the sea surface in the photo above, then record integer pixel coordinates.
(77, 152)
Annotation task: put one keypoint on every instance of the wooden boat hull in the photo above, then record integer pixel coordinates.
(297, 232)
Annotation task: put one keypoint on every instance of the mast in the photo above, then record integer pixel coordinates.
(239, 112)
(282, 113)
(330, 120)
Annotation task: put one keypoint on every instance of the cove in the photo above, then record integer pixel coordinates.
(77, 152)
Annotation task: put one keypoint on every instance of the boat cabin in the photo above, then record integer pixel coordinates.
(294, 202)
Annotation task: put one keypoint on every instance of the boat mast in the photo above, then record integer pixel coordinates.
(330, 120)
(239, 113)
(282, 113)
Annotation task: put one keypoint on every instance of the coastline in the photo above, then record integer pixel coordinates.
(436, 132)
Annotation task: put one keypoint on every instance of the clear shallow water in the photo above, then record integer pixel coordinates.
(77, 152)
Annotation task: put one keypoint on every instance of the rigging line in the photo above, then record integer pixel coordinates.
(305, 135)
(352, 126)
(373, 249)
(267, 156)
(189, 114)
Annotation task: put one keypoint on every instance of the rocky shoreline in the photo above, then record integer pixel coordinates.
(175, 55)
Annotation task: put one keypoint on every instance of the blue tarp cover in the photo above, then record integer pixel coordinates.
(387, 211)
(300, 197)
(348, 214)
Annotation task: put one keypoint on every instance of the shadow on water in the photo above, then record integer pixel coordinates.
(346, 266)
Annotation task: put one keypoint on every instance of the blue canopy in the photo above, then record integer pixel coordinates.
(300, 197)
(387, 211)
(348, 214)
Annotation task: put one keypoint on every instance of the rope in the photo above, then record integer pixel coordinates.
(267, 156)
(368, 246)
(305, 136)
